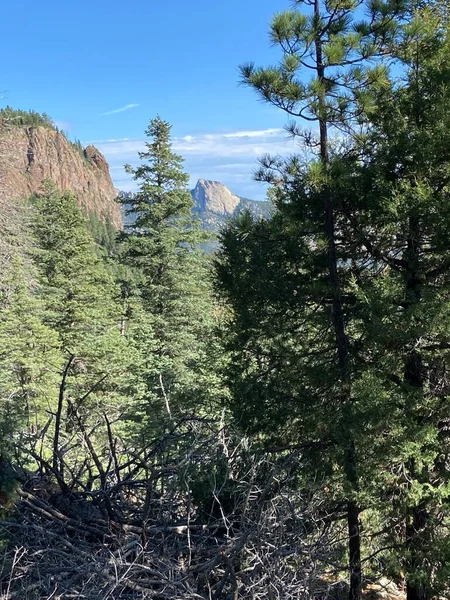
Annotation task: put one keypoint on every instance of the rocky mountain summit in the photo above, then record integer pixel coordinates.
(215, 197)
(214, 204)
(30, 154)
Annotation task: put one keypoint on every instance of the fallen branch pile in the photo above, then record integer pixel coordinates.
(200, 523)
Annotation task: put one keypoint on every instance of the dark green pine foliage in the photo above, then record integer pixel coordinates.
(29, 361)
(77, 289)
(11, 117)
(388, 191)
(396, 198)
(329, 69)
(283, 374)
(105, 237)
(29, 356)
(173, 319)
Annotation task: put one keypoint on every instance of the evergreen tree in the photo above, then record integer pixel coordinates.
(399, 240)
(29, 362)
(388, 191)
(81, 307)
(330, 74)
(77, 289)
(174, 326)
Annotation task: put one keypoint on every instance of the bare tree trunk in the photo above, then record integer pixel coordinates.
(415, 590)
(57, 465)
(354, 546)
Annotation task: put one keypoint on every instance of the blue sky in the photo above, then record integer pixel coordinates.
(103, 69)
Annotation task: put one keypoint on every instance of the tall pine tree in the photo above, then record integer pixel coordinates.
(330, 70)
(396, 198)
(81, 306)
(173, 326)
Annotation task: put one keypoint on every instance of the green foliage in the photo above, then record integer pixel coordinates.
(29, 360)
(400, 195)
(14, 238)
(173, 324)
(12, 117)
(104, 234)
(325, 71)
(328, 57)
(81, 305)
(163, 198)
(333, 313)
(338, 304)
(76, 283)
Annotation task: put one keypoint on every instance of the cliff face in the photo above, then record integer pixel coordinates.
(214, 197)
(30, 155)
(215, 204)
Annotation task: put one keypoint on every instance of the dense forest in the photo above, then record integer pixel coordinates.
(271, 420)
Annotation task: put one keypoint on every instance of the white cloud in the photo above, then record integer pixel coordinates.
(254, 134)
(236, 143)
(119, 110)
(230, 157)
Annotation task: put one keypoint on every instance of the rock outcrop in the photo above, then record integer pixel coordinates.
(213, 196)
(214, 205)
(30, 155)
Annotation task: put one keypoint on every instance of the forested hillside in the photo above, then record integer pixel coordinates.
(270, 421)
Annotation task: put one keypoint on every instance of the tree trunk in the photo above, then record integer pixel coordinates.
(414, 376)
(354, 543)
(415, 590)
(56, 460)
(354, 536)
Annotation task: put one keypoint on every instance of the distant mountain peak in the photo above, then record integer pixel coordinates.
(214, 197)
(214, 205)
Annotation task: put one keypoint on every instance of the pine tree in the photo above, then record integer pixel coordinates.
(78, 290)
(399, 239)
(175, 320)
(388, 191)
(330, 72)
(29, 363)
(81, 306)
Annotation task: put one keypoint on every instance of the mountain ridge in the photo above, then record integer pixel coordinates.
(33, 151)
(214, 211)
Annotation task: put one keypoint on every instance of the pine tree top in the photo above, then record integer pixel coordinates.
(163, 195)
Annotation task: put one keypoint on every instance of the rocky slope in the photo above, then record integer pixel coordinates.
(30, 155)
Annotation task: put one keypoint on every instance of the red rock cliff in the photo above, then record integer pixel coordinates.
(30, 155)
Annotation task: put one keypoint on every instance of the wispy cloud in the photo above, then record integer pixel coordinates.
(251, 144)
(230, 157)
(119, 110)
(63, 125)
(262, 133)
